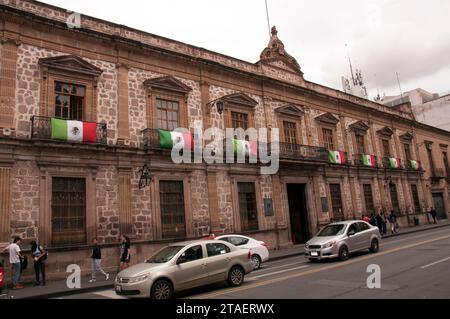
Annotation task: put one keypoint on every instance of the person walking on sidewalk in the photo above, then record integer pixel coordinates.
(97, 262)
(125, 255)
(39, 256)
(14, 260)
(384, 222)
(433, 214)
(393, 221)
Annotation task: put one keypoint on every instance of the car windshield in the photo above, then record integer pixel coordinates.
(332, 230)
(164, 255)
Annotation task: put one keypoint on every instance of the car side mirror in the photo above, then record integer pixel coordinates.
(351, 233)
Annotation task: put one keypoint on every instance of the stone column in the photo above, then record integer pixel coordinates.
(122, 103)
(5, 203)
(8, 82)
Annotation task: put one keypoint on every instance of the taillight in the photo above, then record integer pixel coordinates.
(2, 272)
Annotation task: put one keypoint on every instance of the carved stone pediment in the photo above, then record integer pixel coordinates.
(240, 99)
(327, 118)
(275, 55)
(167, 83)
(359, 127)
(407, 136)
(290, 110)
(70, 64)
(386, 131)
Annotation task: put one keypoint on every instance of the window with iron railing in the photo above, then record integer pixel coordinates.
(328, 140)
(247, 206)
(394, 197)
(69, 101)
(360, 144)
(368, 198)
(167, 114)
(239, 120)
(415, 197)
(290, 132)
(171, 198)
(386, 147)
(407, 149)
(446, 167)
(336, 201)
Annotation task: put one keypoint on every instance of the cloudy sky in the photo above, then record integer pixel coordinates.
(411, 37)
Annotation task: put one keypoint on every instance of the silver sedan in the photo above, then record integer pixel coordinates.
(338, 240)
(185, 265)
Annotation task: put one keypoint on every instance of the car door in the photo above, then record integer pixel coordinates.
(353, 240)
(218, 259)
(191, 268)
(365, 234)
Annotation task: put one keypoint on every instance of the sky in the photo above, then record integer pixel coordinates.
(382, 37)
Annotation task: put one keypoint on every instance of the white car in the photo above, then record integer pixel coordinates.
(258, 249)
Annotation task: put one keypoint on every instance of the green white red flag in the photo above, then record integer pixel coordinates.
(74, 131)
(336, 157)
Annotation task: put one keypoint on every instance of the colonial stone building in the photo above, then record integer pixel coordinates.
(132, 83)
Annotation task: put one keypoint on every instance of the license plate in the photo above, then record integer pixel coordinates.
(314, 253)
(118, 288)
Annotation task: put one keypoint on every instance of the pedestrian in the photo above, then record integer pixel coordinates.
(433, 214)
(393, 221)
(379, 222)
(384, 222)
(14, 260)
(39, 256)
(125, 255)
(96, 261)
(373, 220)
(366, 219)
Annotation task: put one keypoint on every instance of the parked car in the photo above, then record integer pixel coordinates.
(339, 239)
(182, 266)
(259, 251)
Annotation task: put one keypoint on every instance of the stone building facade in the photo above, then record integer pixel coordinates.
(64, 193)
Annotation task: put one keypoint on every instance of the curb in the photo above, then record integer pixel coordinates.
(109, 285)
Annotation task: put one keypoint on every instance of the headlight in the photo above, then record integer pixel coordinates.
(330, 244)
(139, 278)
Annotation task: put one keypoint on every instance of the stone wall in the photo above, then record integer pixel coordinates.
(225, 202)
(199, 203)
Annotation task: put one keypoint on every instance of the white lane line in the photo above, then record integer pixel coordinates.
(276, 267)
(111, 294)
(435, 263)
(276, 272)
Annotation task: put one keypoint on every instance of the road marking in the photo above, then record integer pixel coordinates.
(111, 294)
(276, 267)
(315, 270)
(277, 272)
(435, 263)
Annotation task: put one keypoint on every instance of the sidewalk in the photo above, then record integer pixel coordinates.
(58, 288)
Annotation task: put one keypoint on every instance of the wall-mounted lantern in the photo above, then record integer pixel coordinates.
(146, 177)
(219, 104)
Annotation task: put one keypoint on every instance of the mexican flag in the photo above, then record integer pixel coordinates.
(368, 160)
(336, 157)
(414, 164)
(245, 147)
(394, 162)
(170, 139)
(74, 131)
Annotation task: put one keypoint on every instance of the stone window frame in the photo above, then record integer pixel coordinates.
(360, 128)
(330, 202)
(327, 121)
(166, 88)
(235, 202)
(407, 139)
(72, 70)
(156, 208)
(293, 114)
(363, 197)
(241, 103)
(47, 172)
(386, 133)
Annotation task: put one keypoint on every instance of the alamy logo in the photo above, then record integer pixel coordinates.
(374, 279)
(74, 279)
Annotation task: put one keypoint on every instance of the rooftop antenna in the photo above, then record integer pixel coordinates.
(351, 67)
(399, 87)
(268, 22)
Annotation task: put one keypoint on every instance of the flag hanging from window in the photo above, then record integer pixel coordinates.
(368, 160)
(170, 139)
(245, 148)
(74, 131)
(336, 157)
(394, 162)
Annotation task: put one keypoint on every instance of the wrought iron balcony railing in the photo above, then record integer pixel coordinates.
(41, 129)
(303, 152)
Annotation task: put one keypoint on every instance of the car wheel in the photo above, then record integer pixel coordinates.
(256, 260)
(162, 289)
(236, 276)
(374, 246)
(343, 253)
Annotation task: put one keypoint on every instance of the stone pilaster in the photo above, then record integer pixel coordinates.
(122, 99)
(5, 203)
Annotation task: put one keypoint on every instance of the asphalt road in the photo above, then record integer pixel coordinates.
(412, 266)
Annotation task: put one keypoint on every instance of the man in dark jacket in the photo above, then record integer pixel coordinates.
(97, 261)
(433, 214)
(379, 220)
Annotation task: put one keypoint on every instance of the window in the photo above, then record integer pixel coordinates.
(68, 211)
(239, 120)
(191, 254)
(394, 197)
(69, 101)
(415, 196)
(328, 141)
(368, 197)
(360, 144)
(363, 226)
(445, 159)
(237, 241)
(430, 158)
(290, 129)
(172, 209)
(167, 114)
(336, 202)
(407, 149)
(247, 206)
(217, 249)
(353, 227)
(386, 147)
